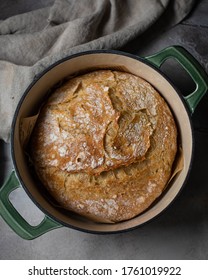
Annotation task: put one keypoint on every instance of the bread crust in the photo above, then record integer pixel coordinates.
(104, 144)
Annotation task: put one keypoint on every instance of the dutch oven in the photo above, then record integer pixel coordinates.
(147, 68)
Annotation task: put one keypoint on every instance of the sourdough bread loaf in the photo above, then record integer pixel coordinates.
(104, 145)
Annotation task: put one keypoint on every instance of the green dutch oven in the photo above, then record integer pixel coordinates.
(149, 69)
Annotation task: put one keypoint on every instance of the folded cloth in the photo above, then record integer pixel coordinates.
(32, 41)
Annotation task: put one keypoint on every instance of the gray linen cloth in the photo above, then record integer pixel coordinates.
(32, 41)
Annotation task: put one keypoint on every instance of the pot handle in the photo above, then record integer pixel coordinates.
(15, 220)
(191, 65)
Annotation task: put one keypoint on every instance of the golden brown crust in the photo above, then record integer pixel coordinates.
(104, 145)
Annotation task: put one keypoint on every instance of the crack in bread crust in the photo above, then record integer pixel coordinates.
(111, 139)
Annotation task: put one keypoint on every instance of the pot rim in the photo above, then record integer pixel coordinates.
(46, 70)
